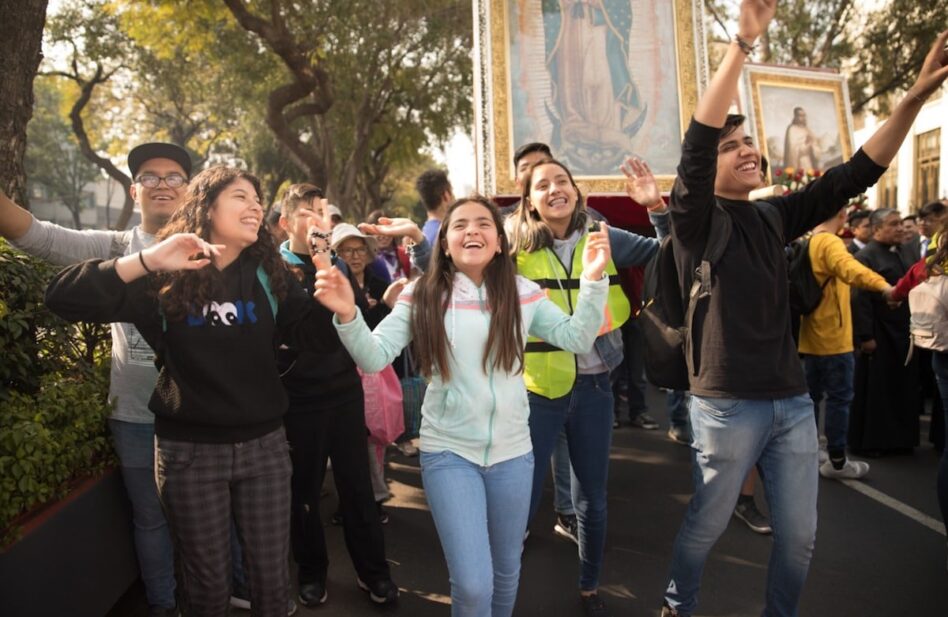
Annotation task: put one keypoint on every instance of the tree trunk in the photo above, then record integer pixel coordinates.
(21, 37)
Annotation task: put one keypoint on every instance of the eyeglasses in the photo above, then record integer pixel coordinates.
(359, 251)
(151, 181)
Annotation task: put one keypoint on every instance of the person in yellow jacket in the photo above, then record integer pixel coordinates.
(826, 340)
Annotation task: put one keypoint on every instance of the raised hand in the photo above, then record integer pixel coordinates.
(180, 252)
(754, 17)
(394, 227)
(319, 233)
(392, 292)
(597, 253)
(934, 69)
(640, 184)
(334, 291)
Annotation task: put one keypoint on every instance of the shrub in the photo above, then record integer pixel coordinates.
(53, 394)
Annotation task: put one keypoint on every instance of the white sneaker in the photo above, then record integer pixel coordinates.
(823, 455)
(851, 470)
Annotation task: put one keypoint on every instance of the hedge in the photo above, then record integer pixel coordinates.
(53, 395)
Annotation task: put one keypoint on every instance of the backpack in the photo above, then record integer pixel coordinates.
(928, 303)
(667, 317)
(806, 293)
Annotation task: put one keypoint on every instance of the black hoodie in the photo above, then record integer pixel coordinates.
(218, 380)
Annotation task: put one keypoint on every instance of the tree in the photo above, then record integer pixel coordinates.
(21, 31)
(880, 50)
(52, 155)
(361, 88)
(97, 49)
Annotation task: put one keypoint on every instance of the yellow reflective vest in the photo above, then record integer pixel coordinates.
(548, 370)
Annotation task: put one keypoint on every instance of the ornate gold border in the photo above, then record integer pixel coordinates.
(688, 70)
(829, 83)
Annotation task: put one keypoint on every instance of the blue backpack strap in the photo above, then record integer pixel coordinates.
(264, 279)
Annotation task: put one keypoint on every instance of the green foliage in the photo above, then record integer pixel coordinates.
(53, 394)
(52, 154)
(880, 50)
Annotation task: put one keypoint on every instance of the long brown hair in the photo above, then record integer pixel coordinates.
(182, 292)
(529, 232)
(432, 298)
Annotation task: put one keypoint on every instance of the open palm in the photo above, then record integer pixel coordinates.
(640, 183)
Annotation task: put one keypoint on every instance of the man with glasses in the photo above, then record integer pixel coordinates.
(160, 172)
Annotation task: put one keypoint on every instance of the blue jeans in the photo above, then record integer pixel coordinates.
(135, 446)
(677, 403)
(940, 366)
(481, 515)
(730, 436)
(832, 375)
(586, 413)
(562, 477)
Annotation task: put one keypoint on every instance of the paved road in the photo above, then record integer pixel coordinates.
(870, 560)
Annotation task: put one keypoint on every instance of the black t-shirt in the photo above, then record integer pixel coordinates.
(745, 344)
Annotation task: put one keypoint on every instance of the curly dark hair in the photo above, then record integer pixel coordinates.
(180, 292)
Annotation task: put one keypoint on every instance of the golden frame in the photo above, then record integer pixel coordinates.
(800, 81)
(493, 108)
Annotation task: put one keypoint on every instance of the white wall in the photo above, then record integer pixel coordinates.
(934, 114)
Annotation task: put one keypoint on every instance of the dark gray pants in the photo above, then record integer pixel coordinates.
(201, 487)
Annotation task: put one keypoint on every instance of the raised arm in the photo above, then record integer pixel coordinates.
(53, 243)
(885, 143)
(419, 252)
(713, 106)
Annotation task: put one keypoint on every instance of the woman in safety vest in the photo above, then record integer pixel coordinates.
(573, 390)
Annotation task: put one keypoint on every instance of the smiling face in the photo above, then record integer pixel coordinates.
(355, 252)
(738, 166)
(471, 239)
(553, 195)
(159, 203)
(236, 215)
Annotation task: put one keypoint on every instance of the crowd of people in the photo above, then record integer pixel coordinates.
(239, 343)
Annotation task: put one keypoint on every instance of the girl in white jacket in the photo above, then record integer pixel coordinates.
(469, 317)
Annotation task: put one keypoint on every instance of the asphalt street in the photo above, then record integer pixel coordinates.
(882, 554)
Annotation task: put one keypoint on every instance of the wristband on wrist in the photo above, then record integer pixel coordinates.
(141, 259)
(746, 47)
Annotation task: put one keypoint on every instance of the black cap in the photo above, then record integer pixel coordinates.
(158, 150)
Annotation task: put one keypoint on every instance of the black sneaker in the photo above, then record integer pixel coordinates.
(384, 591)
(313, 594)
(567, 527)
(645, 421)
(747, 511)
(593, 606)
(383, 513)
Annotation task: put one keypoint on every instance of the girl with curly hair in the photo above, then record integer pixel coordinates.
(213, 298)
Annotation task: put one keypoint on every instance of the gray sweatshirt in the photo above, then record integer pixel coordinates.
(133, 373)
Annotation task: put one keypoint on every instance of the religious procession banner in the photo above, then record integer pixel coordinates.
(800, 117)
(596, 80)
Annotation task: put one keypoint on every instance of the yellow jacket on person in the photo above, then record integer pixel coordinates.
(828, 330)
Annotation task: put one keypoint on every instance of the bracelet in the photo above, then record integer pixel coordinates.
(141, 258)
(915, 96)
(747, 48)
(317, 251)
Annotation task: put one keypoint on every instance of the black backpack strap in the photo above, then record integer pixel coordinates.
(718, 238)
(772, 218)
